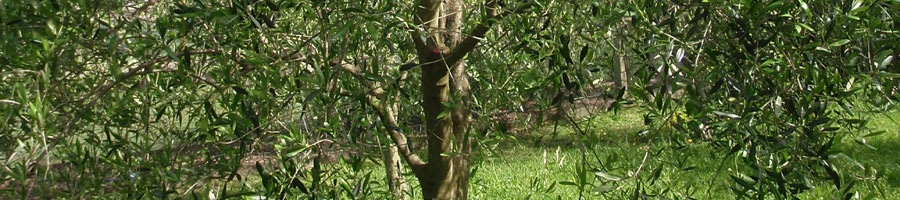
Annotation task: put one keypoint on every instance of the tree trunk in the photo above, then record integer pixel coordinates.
(393, 168)
(441, 49)
(446, 175)
(437, 180)
(459, 82)
(620, 72)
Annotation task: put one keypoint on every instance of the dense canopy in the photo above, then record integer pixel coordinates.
(449, 99)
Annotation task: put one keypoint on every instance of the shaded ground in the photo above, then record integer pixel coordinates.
(537, 163)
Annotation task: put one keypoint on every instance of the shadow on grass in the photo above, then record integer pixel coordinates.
(602, 128)
(884, 158)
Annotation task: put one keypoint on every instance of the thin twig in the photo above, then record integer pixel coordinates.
(638, 172)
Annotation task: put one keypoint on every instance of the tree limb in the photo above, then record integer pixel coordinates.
(388, 118)
(426, 18)
(492, 16)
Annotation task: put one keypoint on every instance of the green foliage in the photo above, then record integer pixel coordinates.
(534, 165)
(240, 98)
(773, 83)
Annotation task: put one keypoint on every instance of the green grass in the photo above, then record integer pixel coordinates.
(881, 153)
(536, 163)
(529, 167)
(523, 171)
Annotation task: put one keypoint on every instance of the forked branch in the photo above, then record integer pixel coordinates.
(494, 14)
(387, 115)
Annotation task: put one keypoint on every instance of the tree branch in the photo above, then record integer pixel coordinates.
(390, 123)
(388, 118)
(426, 19)
(492, 16)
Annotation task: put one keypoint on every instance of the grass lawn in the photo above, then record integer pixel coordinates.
(535, 165)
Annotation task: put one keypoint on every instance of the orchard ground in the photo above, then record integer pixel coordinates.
(537, 165)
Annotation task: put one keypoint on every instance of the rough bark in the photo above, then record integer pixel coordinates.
(459, 82)
(437, 178)
(441, 49)
(447, 172)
